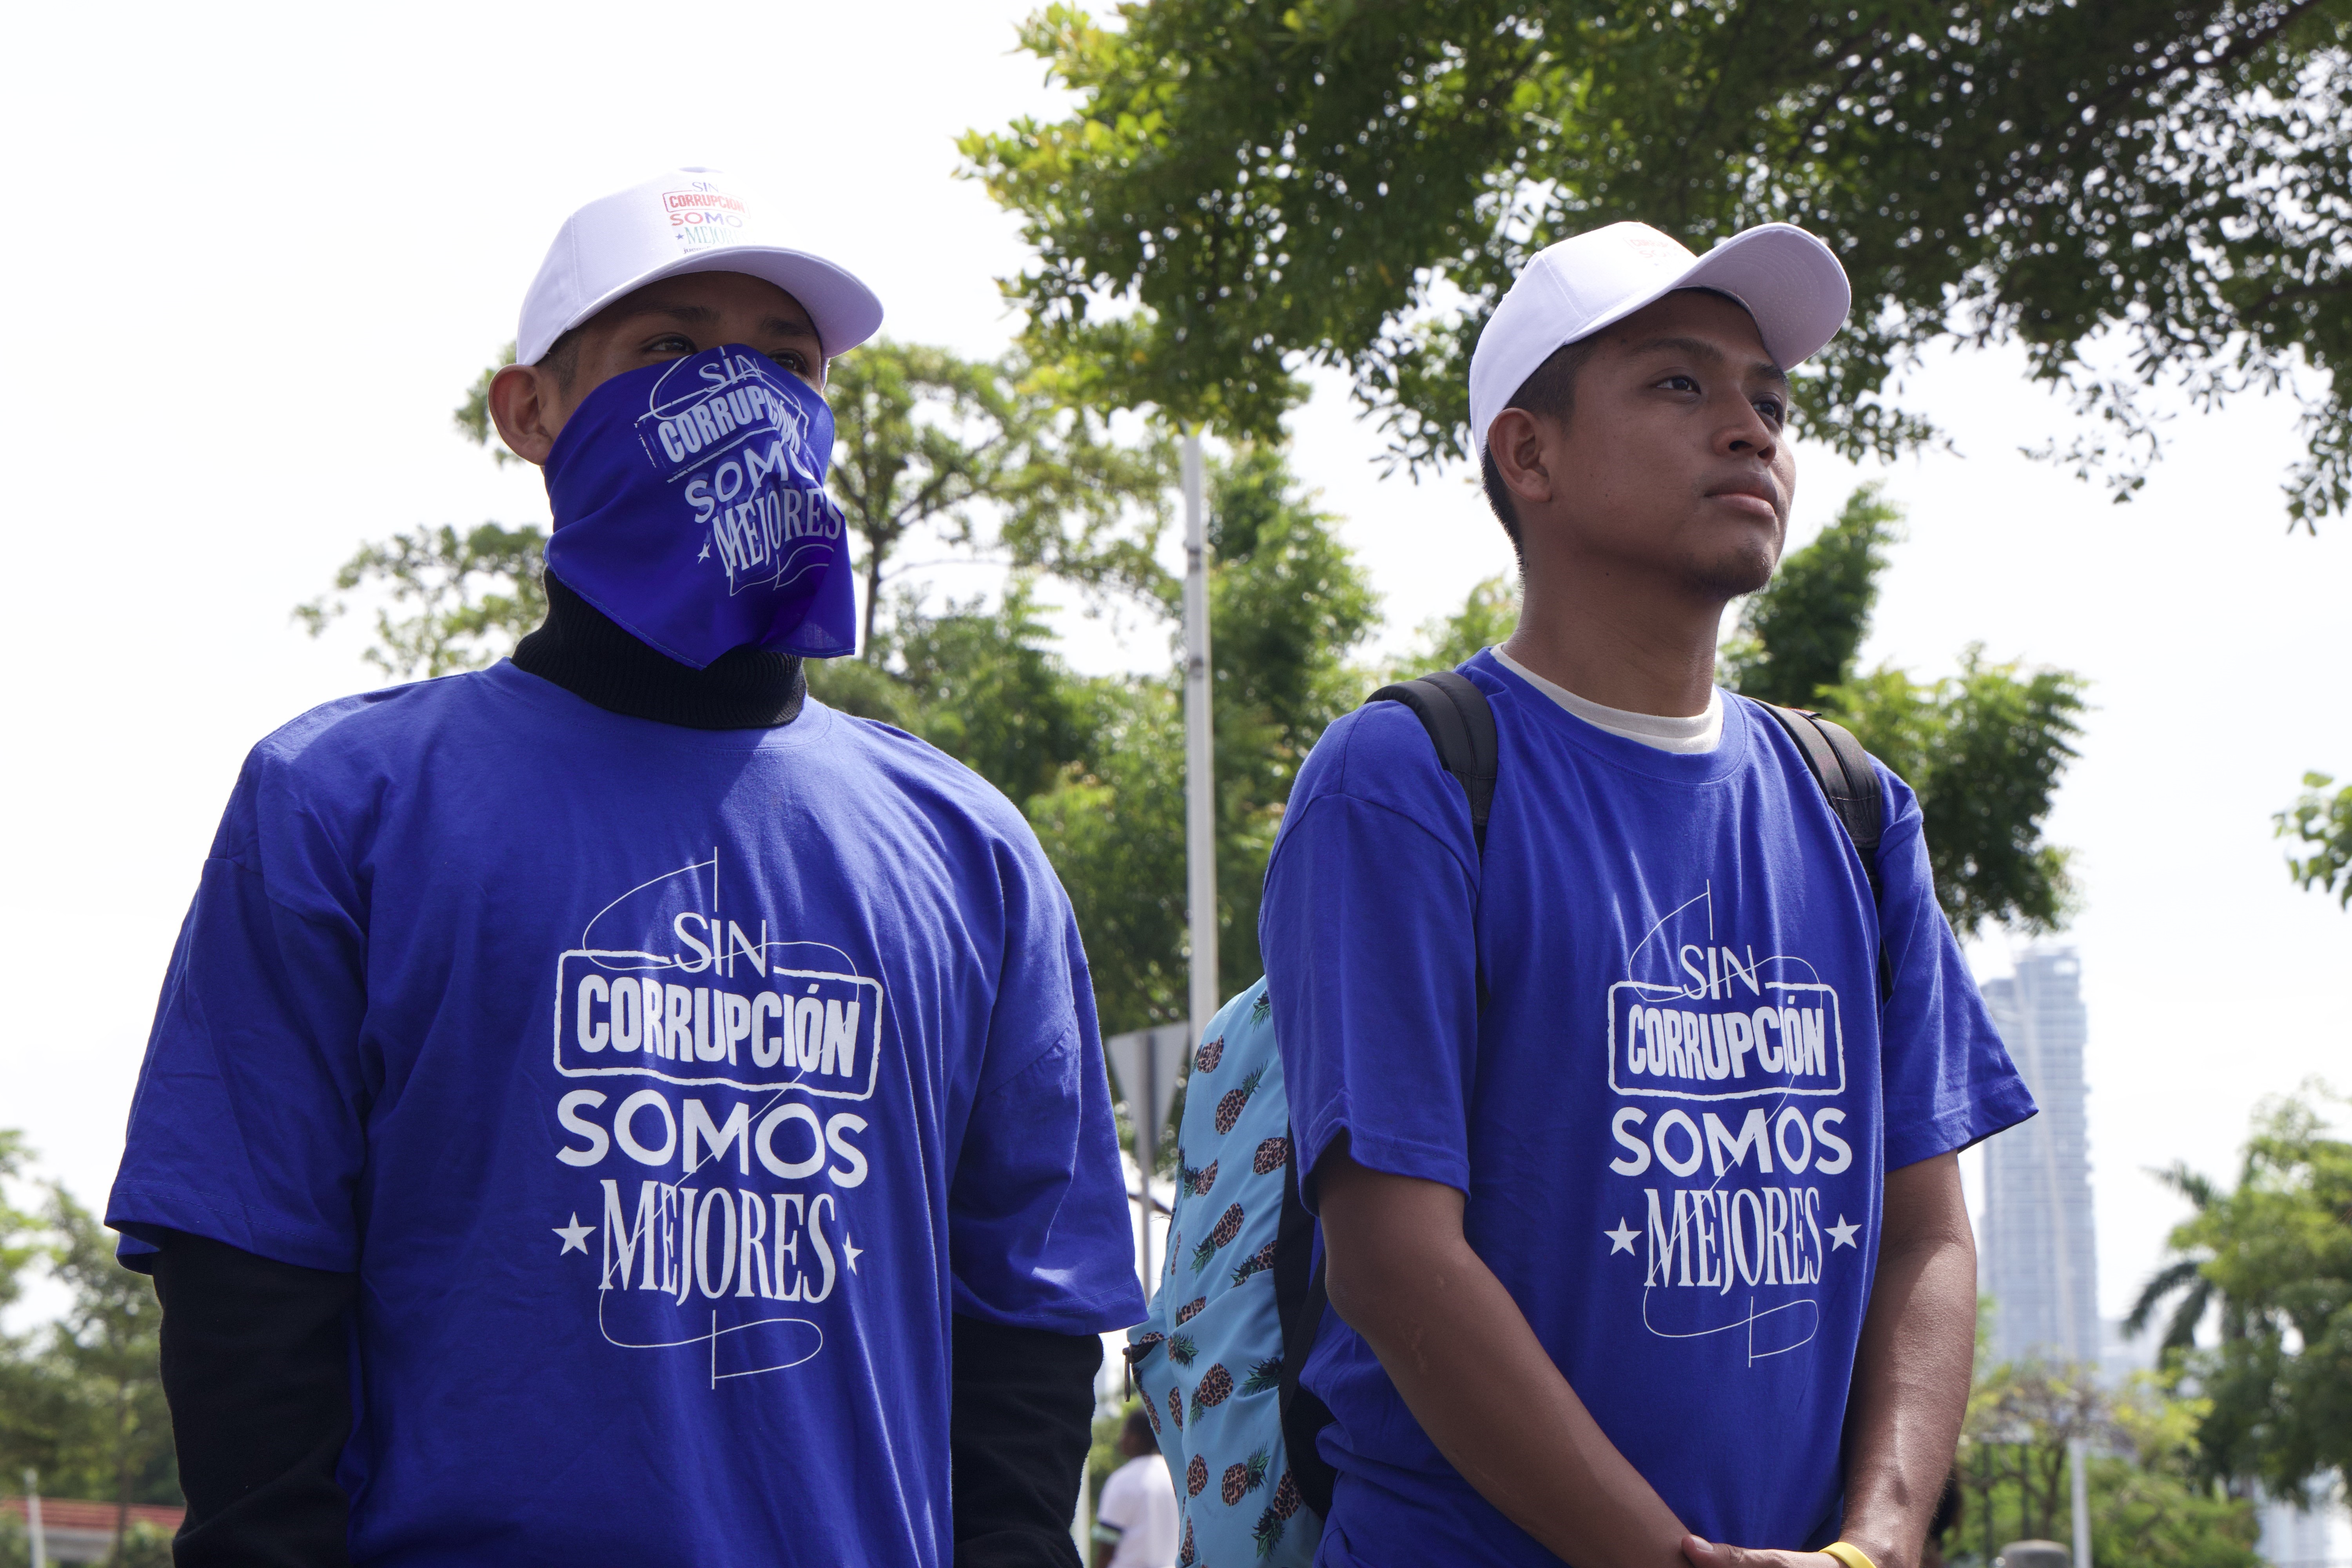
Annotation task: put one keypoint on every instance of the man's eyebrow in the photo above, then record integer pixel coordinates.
(1699, 348)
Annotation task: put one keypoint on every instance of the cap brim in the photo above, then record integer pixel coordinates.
(1790, 281)
(845, 312)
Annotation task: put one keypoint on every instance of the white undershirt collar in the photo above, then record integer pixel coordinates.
(1701, 732)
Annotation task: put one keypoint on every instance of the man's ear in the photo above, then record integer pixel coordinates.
(1517, 440)
(528, 408)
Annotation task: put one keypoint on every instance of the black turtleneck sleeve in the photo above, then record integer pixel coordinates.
(1022, 1421)
(257, 1368)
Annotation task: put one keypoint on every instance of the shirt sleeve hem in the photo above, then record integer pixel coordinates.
(1407, 1157)
(136, 1209)
(1097, 1316)
(1962, 1129)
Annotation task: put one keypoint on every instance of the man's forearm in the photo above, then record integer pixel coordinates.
(1911, 1370)
(1474, 1375)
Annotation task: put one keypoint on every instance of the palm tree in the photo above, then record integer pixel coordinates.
(2185, 1277)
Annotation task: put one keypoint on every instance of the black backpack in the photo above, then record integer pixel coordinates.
(1461, 725)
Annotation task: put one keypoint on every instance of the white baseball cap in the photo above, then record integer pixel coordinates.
(1790, 282)
(689, 220)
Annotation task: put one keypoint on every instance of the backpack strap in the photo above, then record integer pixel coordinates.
(1844, 770)
(1461, 725)
(1298, 1302)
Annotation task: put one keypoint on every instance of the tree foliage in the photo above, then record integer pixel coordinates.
(20, 1232)
(2151, 1506)
(81, 1397)
(2322, 823)
(2184, 1282)
(1802, 635)
(1288, 606)
(1983, 749)
(973, 450)
(2140, 192)
(2278, 1250)
(1487, 616)
(473, 595)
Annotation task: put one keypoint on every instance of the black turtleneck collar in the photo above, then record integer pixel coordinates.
(585, 652)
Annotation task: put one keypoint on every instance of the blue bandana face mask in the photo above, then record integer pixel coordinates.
(689, 507)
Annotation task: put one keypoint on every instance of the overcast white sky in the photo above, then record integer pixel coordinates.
(295, 233)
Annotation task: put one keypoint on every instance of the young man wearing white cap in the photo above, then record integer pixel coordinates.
(1632, 1129)
(609, 1108)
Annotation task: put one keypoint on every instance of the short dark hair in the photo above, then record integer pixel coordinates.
(562, 359)
(1550, 392)
(1138, 1424)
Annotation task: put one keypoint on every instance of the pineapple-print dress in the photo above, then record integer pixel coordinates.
(1207, 1361)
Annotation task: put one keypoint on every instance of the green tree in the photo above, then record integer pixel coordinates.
(1983, 749)
(2183, 1281)
(20, 1231)
(2150, 1506)
(2141, 193)
(81, 1397)
(107, 1344)
(983, 685)
(1288, 605)
(1801, 635)
(2322, 823)
(2021, 1417)
(1487, 616)
(474, 595)
(925, 438)
(2278, 1250)
(33, 1400)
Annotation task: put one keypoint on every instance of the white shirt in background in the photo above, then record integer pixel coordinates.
(1139, 1501)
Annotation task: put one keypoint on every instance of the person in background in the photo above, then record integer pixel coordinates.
(1135, 1524)
(609, 1107)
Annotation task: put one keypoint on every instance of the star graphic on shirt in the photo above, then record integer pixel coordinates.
(575, 1235)
(850, 1252)
(1622, 1238)
(705, 552)
(1842, 1235)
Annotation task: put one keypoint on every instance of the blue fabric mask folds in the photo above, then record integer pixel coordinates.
(689, 507)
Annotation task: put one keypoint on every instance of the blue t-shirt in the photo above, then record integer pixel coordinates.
(1672, 1119)
(666, 1089)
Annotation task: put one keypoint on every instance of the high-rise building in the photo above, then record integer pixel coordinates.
(2314, 1532)
(2037, 1255)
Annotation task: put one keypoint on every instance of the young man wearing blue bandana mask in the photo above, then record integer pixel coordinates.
(609, 1107)
(1631, 1106)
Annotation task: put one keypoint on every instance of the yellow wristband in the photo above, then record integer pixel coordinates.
(1847, 1552)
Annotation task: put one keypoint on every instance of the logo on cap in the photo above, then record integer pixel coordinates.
(702, 215)
(1651, 245)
